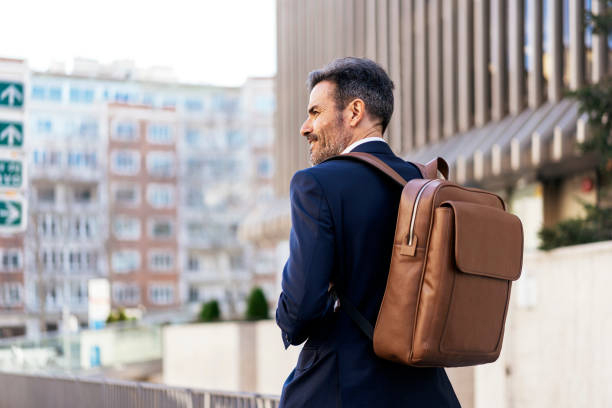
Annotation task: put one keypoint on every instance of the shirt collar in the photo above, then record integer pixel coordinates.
(362, 141)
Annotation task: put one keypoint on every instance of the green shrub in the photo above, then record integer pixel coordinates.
(210, 311)
(596, 226)
(257, 305)
(117, 316)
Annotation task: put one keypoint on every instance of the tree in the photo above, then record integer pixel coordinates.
(595, 101)
(257, 305)
(210, 311)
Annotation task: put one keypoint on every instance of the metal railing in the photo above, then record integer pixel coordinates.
(61, 391)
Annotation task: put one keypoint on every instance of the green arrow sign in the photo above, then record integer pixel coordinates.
(11, 94)
(10, 213)
(11, 173)
(11, 134)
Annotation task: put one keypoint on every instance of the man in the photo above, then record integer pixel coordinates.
(343, 223)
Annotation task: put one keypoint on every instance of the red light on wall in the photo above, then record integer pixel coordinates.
(586, 185)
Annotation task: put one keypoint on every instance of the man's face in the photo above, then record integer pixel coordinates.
(324, 128)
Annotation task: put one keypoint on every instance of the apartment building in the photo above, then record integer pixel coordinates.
(142, 190)
(133, 177)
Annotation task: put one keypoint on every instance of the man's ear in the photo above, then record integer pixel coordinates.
(356, 111)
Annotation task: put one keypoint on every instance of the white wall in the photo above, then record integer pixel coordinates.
(556, 350)
(227, 356)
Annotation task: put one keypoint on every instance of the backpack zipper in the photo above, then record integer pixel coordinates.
(414, 210)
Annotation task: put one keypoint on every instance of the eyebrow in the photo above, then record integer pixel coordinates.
(313, 108)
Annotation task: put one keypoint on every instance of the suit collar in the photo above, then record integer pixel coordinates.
(374, 147)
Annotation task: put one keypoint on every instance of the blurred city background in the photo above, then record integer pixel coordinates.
(145, 168)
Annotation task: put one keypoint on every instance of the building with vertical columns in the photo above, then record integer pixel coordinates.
(478, 82)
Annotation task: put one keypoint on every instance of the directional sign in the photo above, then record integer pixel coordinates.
(11, 173)
(11, 134)
(12, 213)
(11, 94)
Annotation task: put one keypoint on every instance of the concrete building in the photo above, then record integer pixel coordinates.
(480, 83)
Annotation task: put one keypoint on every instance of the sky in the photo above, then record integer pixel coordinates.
(218, 42)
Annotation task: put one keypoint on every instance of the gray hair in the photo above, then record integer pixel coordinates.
(358, 78)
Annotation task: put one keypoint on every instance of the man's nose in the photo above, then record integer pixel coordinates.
(306, 128)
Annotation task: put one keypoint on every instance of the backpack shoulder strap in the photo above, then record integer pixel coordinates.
(429, 170)
(374, 162)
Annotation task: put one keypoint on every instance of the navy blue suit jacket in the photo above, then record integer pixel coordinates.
(343, 223)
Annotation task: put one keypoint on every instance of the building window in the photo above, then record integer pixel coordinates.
(161, 261)
(47, 159)
(82, 227)
(234, 138)
(54, 297)
(194, 197)
(160, 195)
(127, 228)
(12, 260)
(125, 261)
(125, 162)
(38, 92)
(192, 137)
(12, 294)
(78, 293)
(79, 95)
(161, 293)
(193, 263)
(82, 160)
(193, 105)
(46, 195)
(125, 130)
(52, 260)
(55, 94)
(126, 194)
(194, 294)
(161, 164)
(159, 133)
(49, 225)
(264, 167)
(83, 195)
(44, 126)
(126, 293)
(161, 228)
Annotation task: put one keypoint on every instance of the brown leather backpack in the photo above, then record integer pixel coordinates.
(455, 254)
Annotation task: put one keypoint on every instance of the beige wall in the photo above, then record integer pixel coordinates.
(227, 356)
(556, 349)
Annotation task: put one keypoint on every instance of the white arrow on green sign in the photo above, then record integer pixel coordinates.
(10, 213)
(11, 134)
(11, 173)
(11, 94)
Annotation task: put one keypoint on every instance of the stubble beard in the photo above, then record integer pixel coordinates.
(329, 148)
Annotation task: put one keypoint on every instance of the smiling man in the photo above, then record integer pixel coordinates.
(343, 222)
